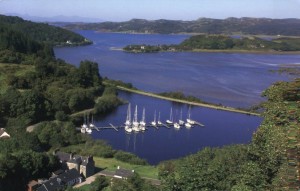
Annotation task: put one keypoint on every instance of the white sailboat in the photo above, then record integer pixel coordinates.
(84, 125)
(135, 123)
(128, 128)
(181, 122)
(159, 121)
(189, 120)
(143, 122)
(153, 123)
(187, 125)
(92, 125)
(128, 117)
(176, 125)
(88, 129)
(170, 121)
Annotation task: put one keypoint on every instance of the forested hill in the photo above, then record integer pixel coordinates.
(253, 26)
(42, 32)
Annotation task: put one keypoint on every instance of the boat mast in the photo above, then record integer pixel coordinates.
(135, 115)
(143, 117)
(189, 113)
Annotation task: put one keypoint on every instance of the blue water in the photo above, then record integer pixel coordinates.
(228, 78)
(232, 79)
(221, 128)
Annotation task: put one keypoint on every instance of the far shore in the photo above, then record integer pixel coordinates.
(218, 51)
(247, 51)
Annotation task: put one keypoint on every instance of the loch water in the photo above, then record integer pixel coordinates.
(232, 79)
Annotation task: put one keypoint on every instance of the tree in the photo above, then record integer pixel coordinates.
(89, 74)
(99, 183)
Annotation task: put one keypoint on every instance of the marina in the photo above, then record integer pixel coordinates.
(141, 126)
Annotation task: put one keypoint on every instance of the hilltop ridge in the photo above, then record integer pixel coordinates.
(231, 25)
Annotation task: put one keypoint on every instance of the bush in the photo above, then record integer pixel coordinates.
(61, 116)
(129, 158)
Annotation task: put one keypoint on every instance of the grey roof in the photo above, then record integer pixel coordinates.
(77, 159)
(58, 172)
(66, 157)
(59, 181)
(123, 173)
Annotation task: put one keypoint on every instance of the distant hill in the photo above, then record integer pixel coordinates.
(42, 32)
(58, 18)
(245, 25)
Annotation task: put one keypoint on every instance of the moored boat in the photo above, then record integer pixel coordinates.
(170, 121)
(153, 123)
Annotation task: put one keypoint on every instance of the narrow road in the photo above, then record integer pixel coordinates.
(107, 173)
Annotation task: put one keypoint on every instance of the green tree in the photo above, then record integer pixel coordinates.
(99, 184)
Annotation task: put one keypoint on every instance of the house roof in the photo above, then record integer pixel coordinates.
(59, 181)
(123, 173)
(77, 159)
(58, 172)
(3, 133)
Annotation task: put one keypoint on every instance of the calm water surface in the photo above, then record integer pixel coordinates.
(232, 79)
(221, 128)
(228, 78)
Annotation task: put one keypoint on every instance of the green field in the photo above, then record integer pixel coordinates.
(111, 164)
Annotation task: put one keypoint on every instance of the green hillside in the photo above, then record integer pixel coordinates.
(42, 32)
(229, 26)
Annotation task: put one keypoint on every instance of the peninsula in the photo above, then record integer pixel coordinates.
(222, 43)
(195, 103)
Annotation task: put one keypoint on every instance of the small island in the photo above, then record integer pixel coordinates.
(222, 43)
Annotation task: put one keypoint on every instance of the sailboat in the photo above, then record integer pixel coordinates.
(84, 125)
(135, 123)
(88, 129)
(153, 123)
(128, 128)
(176, 125)
(142, 122)
(192, 122)
(159, 121)
(128, 117)
(187, 125)
(92, 125)
(170, 121)
(181, 122)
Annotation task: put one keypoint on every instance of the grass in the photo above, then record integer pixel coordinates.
(111, 164)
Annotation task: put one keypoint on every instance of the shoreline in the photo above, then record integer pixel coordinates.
(207, 105)
(219, 51)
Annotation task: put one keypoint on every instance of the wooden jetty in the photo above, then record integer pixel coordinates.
(165, 125)
(155, 126)
(198, 123)
(115, 128)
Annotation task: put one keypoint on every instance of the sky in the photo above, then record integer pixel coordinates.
(123, 10)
